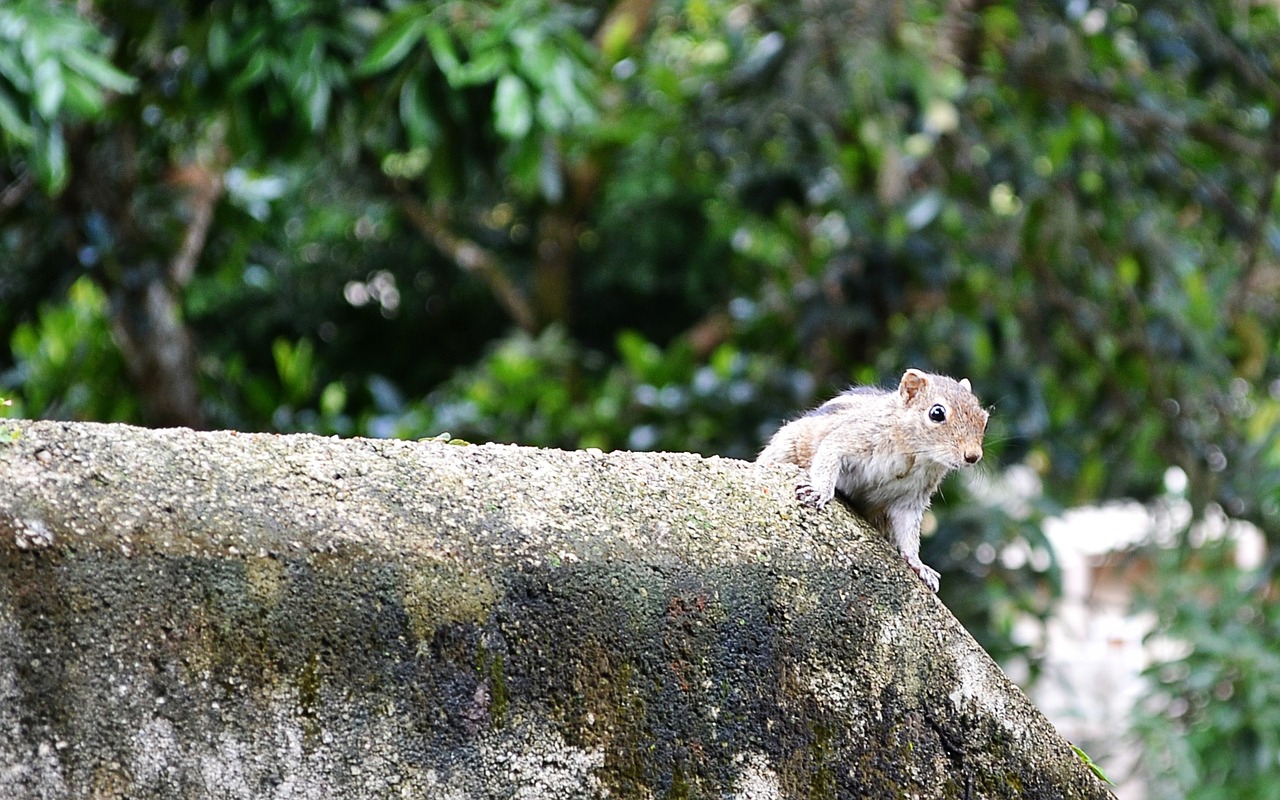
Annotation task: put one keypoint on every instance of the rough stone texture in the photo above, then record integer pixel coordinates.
(222, 615)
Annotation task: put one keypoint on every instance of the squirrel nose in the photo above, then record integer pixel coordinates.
(973, 456)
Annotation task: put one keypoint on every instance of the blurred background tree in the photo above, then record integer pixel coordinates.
(655, 225)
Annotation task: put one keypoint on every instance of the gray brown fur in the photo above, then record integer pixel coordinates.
(883, 451)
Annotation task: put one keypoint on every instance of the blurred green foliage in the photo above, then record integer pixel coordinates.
(659, 225)
(52, 73)
(1212, 720)
(66, 364)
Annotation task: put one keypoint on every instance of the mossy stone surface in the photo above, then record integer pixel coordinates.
(230, 615)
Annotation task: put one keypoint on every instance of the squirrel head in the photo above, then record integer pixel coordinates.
(947, 415)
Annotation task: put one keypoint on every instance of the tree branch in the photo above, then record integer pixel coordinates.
(471, 257)
(1255, 242)
(1098, 99)
(205, 189)
(1227, 48)
(158, 351)
(15, 192)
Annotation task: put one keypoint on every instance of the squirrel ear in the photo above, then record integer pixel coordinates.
(964, 384)
(912, 383)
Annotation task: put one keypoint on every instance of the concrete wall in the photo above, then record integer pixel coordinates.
(226, 615)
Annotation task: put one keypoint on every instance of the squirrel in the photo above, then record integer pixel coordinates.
(886, 452)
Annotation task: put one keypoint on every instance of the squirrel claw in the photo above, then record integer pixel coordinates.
(928, 575)
(810, 496)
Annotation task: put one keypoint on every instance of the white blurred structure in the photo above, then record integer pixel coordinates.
(1095, 647)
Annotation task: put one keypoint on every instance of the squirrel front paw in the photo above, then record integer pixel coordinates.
(810, 496)
(928, 575)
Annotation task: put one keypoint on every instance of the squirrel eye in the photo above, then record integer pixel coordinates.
(938, 413)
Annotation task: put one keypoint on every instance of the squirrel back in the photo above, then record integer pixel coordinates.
(870, 421)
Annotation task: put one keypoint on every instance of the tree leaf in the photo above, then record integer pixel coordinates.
(50, 160)
(259, 65)
(318, 99)
(83, 98)
(13, 70)
(550, 173)
(443, 51)
(403, 32)
(218, 46)
(49, 87)
(481, 69)
(415, 114)
(512, 107)
(100, 71)
(11, 121)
